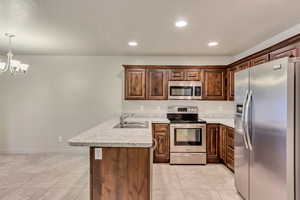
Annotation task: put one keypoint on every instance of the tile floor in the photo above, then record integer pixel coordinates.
(66, 177)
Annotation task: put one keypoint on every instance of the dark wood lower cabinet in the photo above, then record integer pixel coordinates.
(230, 148)
(230, 158)
(220, 144)
(121, 174)
(212, 143)
(223, 143)
(161, 134)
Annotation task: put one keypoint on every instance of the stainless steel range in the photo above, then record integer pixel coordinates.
(187, 136)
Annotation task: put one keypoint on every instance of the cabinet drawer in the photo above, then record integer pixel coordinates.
(230, 153)
(230, 142)
(230, 133)
(177, 75)
(192, 75)
(230, 137)
(230, 163)
(161, 127)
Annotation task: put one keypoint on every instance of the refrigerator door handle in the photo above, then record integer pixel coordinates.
(243, 120)
(247, 119)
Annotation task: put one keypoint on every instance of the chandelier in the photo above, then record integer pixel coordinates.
(14, 66)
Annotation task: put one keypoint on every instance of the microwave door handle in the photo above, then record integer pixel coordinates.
(243, 120)
(194, 88)
(247, 120)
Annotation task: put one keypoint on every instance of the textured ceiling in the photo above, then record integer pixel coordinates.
(103, 27)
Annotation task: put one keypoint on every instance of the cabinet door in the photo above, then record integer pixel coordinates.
(193, 75)
(260, 60)
(243, 66)
(214, 84)
(157, 84)
(177, 75)
(289, 51)
(135, 87)
(230, 158)
(212, 143)
(230, 83)
(230, 148)
(161, 134)
(223, 145)
(230, 137)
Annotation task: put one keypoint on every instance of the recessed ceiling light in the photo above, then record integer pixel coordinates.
(180, 23)
(212, 44)
(132, 43)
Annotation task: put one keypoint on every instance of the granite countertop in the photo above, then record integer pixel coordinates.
(104, 135)
(225, 121)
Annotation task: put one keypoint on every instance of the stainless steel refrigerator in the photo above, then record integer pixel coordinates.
(267, 131)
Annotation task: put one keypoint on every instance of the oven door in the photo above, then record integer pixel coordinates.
(188, 138)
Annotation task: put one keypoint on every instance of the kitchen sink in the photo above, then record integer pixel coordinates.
(143, 124)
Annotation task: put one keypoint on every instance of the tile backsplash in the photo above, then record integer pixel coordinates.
(206, 108)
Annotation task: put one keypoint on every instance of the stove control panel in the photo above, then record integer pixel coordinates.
(183, 109)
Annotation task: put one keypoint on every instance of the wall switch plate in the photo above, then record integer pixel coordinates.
(98, 153)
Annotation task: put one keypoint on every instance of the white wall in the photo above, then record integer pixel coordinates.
(64, 95)
(270, 42)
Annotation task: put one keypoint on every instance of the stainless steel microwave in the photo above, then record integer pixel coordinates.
(185, 90)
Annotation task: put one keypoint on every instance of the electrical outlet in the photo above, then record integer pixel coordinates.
(60, 139)
(98, 153)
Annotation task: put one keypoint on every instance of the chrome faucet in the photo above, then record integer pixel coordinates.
(123, 116)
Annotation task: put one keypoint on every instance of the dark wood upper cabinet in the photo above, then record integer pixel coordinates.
(135, 87)
(260, 60)
(243, 65)
(157, 84)
(193, 75)
(212, 143)
(185, 75)
(176, 75)
(230, 83)
(289, 51)
(161, 134)
(214, 84)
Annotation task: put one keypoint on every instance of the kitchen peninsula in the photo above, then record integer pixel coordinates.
(120, 160)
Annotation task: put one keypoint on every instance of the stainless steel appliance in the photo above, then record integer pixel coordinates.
(267, 131)
(185, 90)
(187, 136)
